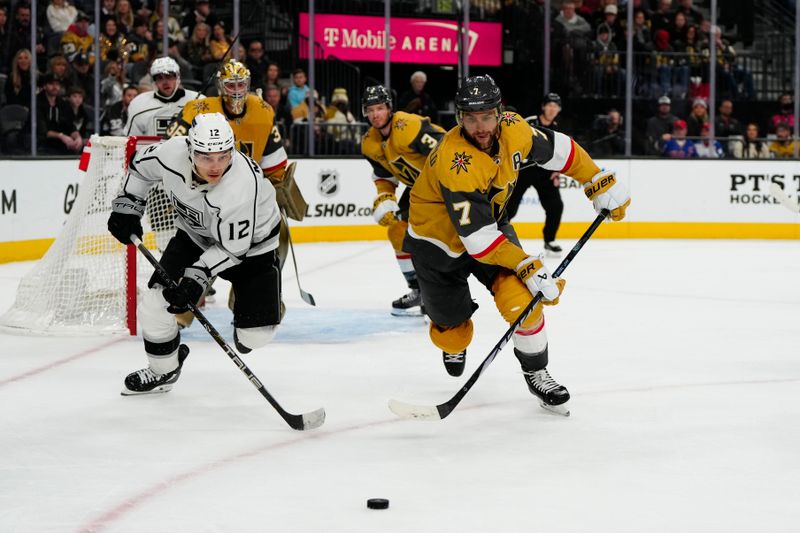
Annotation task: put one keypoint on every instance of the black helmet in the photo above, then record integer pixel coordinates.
(552, 97)
(375, 94)
(478, 93)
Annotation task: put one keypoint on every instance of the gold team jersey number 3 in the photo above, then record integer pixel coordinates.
(246, 147)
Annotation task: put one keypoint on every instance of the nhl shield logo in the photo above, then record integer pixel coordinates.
(328, 182)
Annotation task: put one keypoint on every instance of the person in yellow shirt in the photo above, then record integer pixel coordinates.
(396, 146)
(458, 227)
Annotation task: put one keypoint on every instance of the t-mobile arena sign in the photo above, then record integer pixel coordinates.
(356, 38)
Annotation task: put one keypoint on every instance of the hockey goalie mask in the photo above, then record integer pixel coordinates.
(211, 146)
(165, 67)
(233, 82)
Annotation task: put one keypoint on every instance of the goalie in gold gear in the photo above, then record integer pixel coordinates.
(458, 227)
(396, 146)
(253, 123)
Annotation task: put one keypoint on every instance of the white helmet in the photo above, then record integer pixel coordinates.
(210, 132)
(164, 65)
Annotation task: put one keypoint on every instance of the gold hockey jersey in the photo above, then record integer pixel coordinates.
(254, 130)
(401, 156)
(460, 196)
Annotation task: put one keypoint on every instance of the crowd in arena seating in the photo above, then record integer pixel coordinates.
(671, 40)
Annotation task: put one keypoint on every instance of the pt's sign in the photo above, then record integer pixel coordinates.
(357, 38)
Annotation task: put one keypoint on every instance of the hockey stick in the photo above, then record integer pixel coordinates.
(307, 298)
(438, 412)
(783, 198)
(310, 420)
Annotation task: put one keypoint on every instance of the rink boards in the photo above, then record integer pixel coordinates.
(670, 199)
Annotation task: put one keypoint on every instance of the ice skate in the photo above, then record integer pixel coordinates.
(145, 381)
(552, 249)
(454, 362)
(552, 395)
(408, 305)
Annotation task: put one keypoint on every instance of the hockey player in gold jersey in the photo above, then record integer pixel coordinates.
(396, 147)
(458, 227)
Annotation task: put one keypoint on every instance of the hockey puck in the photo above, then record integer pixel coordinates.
(378, 503)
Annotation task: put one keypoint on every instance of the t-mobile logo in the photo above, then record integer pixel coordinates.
(331, 36)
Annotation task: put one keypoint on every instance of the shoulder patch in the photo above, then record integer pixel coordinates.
(460, 162)
(200, 106)
(508, 118)
(400, 124)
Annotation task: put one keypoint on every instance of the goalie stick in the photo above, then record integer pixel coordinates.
(783, 198)
(438, 412)
(310, 420)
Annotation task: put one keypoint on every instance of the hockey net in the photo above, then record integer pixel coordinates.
(87, 282)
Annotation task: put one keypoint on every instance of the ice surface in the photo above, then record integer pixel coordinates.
(681, 357)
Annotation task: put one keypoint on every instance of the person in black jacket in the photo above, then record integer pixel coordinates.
(546, 182)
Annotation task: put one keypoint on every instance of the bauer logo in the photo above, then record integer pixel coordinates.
(328, 182)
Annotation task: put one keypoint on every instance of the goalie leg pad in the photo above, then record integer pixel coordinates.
(511, 296)
(452, 339)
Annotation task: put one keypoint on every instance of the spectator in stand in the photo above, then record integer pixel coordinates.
(112, 42)
(76, 40)
(124, 16)
(18, 84)
(173, 27)
(725, 125)
(220, 42)
(196, 49)
(608, 137)
(201, 14)
(59, 67)
(257, 62)
(283, 115)
(114, 118)
(140, 45)
(785, 113)
(19, 35)
(57, 134)
(729, 74)
(111, 85)
(273, 77)
(677, 32)
(697, 117)
(300, 112)
(298, 90)
(693, 16)
(610, 17)
(662, 17)
(575, 45)
(664, 61)
(346, 136)
(108, 10)
(659, 127)
(60, 15)
(783, 147)
(751, 147)
(707, 147)
(78, 114)
(416, 100)
(679, 147)
(82, 76)
(608, 77)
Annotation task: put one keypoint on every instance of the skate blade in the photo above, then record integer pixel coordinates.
(157, 390)
(562, 410)
(412, 311)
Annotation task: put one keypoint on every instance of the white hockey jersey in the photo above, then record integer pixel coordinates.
(236, 218)
(151, 114)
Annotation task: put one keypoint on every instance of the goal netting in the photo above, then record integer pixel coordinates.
(87, 282)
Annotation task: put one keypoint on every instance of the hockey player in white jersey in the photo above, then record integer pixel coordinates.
(152, 112)
(228, 224)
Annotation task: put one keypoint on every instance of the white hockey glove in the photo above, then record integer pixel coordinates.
(384, 209)
(607, 192)
(536, 276)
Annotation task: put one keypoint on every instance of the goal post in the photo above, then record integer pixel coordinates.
(87, 282)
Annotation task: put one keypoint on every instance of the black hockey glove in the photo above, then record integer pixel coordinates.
(191, 288)
(126, 218)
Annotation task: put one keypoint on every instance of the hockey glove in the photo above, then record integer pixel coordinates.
(535, 275)
(384, 209)
(193, 284)
(126, 218)
(607, 192)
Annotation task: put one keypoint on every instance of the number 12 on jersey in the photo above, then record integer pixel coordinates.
(244, 226)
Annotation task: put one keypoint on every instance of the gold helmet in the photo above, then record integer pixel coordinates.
(233, 82)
